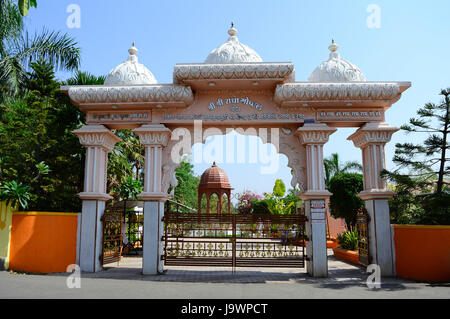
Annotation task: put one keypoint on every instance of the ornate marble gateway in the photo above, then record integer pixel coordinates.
(235, 90)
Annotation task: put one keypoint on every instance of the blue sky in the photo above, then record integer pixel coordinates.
(412, 44)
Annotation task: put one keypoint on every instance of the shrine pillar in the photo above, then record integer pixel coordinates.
(154, 137)
(98, 141)
(313, 137)
(371, 138)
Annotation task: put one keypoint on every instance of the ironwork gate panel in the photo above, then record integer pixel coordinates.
(362, 222)
(112, 237)
(234, 240)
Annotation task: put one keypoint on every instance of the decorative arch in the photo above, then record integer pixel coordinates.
(288, 145)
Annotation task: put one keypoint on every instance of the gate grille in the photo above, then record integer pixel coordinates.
(251, 240)
(112, 237)
(362, 221)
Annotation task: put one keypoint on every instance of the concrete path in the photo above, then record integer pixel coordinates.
(126, 281)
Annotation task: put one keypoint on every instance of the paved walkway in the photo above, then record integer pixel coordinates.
(126, 281)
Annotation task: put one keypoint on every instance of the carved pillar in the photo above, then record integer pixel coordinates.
(313, 137)
(154, 137)
(371, 138)
(98, 141)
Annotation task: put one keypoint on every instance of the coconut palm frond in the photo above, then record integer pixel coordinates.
(57, 48)
(12, 74)
(352, 165)
(85, 78)
(11, 22)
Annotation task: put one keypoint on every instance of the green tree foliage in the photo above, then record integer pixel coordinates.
(24, 6)
(428, 168)
(348, 240)
(186, 191)
(275, 201)
(344, 203)
(37, 146)
(85, 78)
(334, 166)
(18, 49)
(125, 161)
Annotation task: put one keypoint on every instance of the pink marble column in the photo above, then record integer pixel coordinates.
(313, 137)
(154, 137)
(372, 138)
(98, 141)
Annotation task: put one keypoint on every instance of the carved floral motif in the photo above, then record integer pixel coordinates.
(97, 135)
(153, 134)
(183, 72)
(146, 93)
(335, 91)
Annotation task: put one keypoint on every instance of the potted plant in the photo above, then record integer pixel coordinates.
(15, 194)
(348, 247)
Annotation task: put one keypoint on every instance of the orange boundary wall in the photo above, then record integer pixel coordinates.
(422, 252)
(43, 242)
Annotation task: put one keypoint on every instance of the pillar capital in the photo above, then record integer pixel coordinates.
(153, 134)
(372, 133)
(98, 141)
(314, 133)
(97, 136)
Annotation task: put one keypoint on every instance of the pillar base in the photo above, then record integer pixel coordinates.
(381, 247)
(316, 246)
(153, 232)
(91, 235)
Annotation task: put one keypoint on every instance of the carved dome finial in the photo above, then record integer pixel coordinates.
(232, 32)
(333, 46)
(232, 51)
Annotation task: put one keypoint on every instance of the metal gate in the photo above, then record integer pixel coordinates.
(112, 237)
(362, 222)
(250, 240)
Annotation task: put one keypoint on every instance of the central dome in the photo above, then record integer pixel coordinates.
(232, 51)
(214, 177)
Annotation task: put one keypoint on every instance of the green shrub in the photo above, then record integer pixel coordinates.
(348, 240)
(260, 206)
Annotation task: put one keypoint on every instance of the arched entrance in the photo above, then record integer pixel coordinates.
(251, 96)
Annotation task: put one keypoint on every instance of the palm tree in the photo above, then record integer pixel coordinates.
(18, 49)
(85, 78)
(333, 166)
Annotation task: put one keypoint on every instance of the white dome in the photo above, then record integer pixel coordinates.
(130, 72)
(336, 69)
(232, 51)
